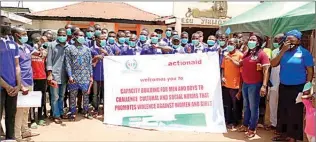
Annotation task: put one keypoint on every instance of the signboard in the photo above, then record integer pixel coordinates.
(164, 92)
(202, 21)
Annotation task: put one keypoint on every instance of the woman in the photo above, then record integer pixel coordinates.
(255, 78)
(296, 70)
(232, 83)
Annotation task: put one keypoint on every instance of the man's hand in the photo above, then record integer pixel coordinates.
(263, 91)
(91, 79)
(223, 80)
(53, 83)
(189, 49)
(71, 80)
(238, 95)
(24, 90)
(10, 90)
(100, 57)
(16, 91)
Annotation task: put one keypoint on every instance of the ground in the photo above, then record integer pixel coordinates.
(95, 130)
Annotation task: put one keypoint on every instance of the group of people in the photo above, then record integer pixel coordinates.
(70, 66)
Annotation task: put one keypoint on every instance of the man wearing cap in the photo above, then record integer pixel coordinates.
(176, 46)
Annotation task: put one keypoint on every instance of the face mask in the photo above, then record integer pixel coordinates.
(263, 45)
(24, 39)
(142, 38)
(121, 40)
(127, 39)
(159, 36)
(81, 39)
(68, 31)
(252, 44)
(97, 32)
(102, 43)
(168, 33)
(5, 30)
(111, 40)
(132, 43)
(62, 39)
(46, 44)
(230, 48)
(175, 46)
(210, 42)
(89, 34)
(154, 40)
(222, 43)
(184, 40)
(276, 45)
(195, 42)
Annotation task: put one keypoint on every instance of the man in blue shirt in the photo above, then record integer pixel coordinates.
(188, 48)
(153, 47)
(198, 47)
(127, 36)
(121, 40)
(176, 46)
(168, 36)
(89, 37)
(212, 45)
(10, 79)
(143, 38)
(111, 43)
(131, 49)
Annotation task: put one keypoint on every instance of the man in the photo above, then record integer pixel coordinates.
(21, 129)
(111, 43)
(97, 57)
(127, 37)
(78, 66)
(201, 37)
(159, 32)
(98, 30)
(68, 28)
(176, 46)
(10, 79)
(105, 32)
(275, 80)
(168, 36)
(73, 30)
(212, 45)
(57, 74)
(185, 42)
(153, 47)
(198, 47)
(89, 37)
(143, 38)
(121, 40)
(131, 49)
(222, 39)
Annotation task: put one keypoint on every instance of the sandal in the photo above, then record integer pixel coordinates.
(65, 116)
(242, 128)
(88, 116)
(251, 134)
(72, 117)
(58, 121)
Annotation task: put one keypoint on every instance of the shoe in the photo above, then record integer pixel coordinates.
(33, 125)
(29, 134)
(58, 121)
(42, 123)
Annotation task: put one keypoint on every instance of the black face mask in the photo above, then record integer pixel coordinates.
(5, 30)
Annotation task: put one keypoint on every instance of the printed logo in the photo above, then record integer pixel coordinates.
(131, 64)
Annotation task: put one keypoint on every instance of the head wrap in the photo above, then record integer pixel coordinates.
(294, 33)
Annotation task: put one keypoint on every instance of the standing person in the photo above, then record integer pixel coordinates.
(21, 129)
(121, 40)
(255, 76)
(131, 49)
(98, 77)
(10, 79)
(296, 71)
(56, 71)
(143, 38)
(152, 48)
(40, 82)
(79, 70)
(275, 80)
(97, 29)
(222, 40)
(176, 46)
(168, 36)
(73, 30)
(127, 37)
(197, 46)
(68, 28)
(105, 31)
(159, 32)
(231, 83)
(188, 48)
(212, 45)
(111, 43)
(89, 37)
(201, 39)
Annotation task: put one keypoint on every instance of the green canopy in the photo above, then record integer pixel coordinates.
(261, 18)
(302, 19)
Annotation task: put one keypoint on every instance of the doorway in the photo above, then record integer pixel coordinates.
(206, 31)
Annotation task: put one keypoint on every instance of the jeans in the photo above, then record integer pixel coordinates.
(57, 99)
(98, 92)
(9, 104)
(251, 96)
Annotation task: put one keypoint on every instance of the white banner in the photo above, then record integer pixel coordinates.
(164, 92)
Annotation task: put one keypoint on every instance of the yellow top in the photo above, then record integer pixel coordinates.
(268, 51)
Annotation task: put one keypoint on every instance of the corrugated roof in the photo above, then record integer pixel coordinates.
(103, 10)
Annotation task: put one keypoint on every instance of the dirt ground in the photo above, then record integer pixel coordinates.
(95, 130)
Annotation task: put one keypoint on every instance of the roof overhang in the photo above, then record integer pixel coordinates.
(129, 21)
(16, 17)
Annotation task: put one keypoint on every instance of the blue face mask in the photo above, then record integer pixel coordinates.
(89, 34)
(24, 39)
(195, 42)
(230, 48)
(46, 44)
(81, 39)
(210, 42)
(103, 43)
(168, 33)
(97, 32)
(154, 40)
(222, 43)
(111, 40)
(62, 39)
(132, 43)
(68, 31)
(175, 46)
(159, 36)
(127, 40)
(142, 38)
(184, 40)
(122, 40)
(252, 44)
